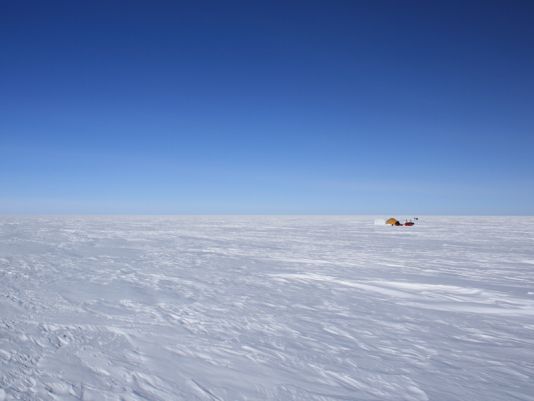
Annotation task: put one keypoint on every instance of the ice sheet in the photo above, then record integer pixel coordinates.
(266, 308)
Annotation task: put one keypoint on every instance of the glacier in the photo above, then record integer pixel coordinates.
(242, 308)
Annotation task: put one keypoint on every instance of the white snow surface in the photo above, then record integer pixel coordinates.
(266, 308)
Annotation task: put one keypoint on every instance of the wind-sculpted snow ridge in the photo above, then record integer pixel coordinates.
(266, 308)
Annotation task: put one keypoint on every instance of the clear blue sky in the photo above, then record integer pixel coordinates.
(341, 107)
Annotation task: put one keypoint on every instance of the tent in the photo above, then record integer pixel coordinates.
(392, 221)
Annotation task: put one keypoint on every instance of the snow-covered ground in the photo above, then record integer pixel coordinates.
(266, 308)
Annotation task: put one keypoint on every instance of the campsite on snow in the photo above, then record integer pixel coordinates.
(267, 200)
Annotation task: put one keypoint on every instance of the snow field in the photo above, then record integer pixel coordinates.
(266, 308)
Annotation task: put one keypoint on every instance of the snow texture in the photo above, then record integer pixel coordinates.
(266, 308)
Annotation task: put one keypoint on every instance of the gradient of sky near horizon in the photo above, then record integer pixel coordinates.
(319, 107)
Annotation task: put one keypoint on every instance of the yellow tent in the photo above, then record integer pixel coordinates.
(392, 221)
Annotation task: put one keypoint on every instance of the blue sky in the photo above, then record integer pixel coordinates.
(335, 107)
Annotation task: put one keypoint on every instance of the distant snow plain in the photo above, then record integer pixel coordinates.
(266, 308)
